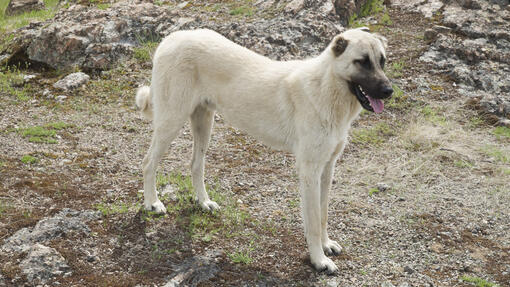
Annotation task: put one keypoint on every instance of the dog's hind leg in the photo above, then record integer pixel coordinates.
(201, 125)
(329, 246)
(161, 139)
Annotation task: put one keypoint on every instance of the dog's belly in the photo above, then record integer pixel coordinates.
(271, 133)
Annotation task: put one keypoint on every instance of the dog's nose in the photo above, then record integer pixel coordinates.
(387, 91)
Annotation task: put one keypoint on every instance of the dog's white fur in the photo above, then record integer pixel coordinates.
(304, 107)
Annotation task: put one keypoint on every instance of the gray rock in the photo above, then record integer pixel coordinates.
(295, 6)
(430, 34)
(196, 269)
(46, 229)
(19, 6)
(387, 284)
(72, 81)
(94, 39)
(43, 263)
(479, 60)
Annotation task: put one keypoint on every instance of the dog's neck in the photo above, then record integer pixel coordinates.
(337, 106)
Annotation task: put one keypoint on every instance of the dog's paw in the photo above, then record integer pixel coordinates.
(209, 205)
(331, 247)
(156, 207)
(325, 264)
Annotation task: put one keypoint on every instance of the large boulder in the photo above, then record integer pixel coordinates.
(19, 6)
(472, 47)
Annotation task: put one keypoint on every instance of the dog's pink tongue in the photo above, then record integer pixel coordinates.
(376, 104)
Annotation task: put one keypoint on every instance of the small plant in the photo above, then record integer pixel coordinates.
(463, 164)
(242, 256)
(28, 159)
(496, 153)
(242, 10)
(398, 101)
(372, 136)
(432, 115)
(475, 122)
(396, 68)
(144, 53)
(108, 209)
(3, 208)
(43, 134)
(373, 191)
(502, 132)
(478, 282)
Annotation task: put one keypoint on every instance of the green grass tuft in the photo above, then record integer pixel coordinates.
(478, 282)
(43, 134)
(372, 136)
(28, 159)
(502, 132)
(242, 11)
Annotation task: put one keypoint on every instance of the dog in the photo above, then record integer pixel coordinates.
(305, 107)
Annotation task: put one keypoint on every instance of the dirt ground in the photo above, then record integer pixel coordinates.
(420, 195)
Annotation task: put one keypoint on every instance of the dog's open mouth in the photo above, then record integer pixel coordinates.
(366, 101)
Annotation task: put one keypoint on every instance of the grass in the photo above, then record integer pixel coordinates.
(373, 191)
(375, 135)
(28, 159)
(241, 256)
(242, 11)
(478, 282)
(399, 100)
(501, 133)
(4, 207)
(43, 134)
(396, 68)
(12, 83)
(145, 51)
(496, 153)
(433, 115)
(8, 23)
(109, 209)
(231, 222)
(371, 8)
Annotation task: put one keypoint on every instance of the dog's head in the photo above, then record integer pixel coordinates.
(359, 59)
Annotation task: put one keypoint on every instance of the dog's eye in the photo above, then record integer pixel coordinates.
(365, 63)
(383, 61)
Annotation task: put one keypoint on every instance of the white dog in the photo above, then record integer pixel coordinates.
(305, 107)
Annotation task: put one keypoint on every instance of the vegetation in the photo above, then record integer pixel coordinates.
(28, 159)
(478, 282)
(372, 136)
(43, 134)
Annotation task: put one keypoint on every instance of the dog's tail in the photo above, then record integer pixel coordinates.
(144, 101)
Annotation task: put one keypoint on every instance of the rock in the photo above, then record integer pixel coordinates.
(295, 6)
(475, 53)
(64, 222)
(387, 284)
(428, 7)
(72, 81)
(381, 186)
(346, 8)
(196, 269)
(95, 39)
(430, 34)
(182, 5)
(43, 263)
(408, 270)
(19, 6)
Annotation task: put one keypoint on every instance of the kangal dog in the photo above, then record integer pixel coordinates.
(305, 107)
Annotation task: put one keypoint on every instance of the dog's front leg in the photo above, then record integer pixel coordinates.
(329, 246)
(309, 177)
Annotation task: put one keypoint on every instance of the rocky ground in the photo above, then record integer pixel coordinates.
(420, 197)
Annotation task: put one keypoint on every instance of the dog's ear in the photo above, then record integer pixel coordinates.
(364, 29)
(339, 45)
(383, 40)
